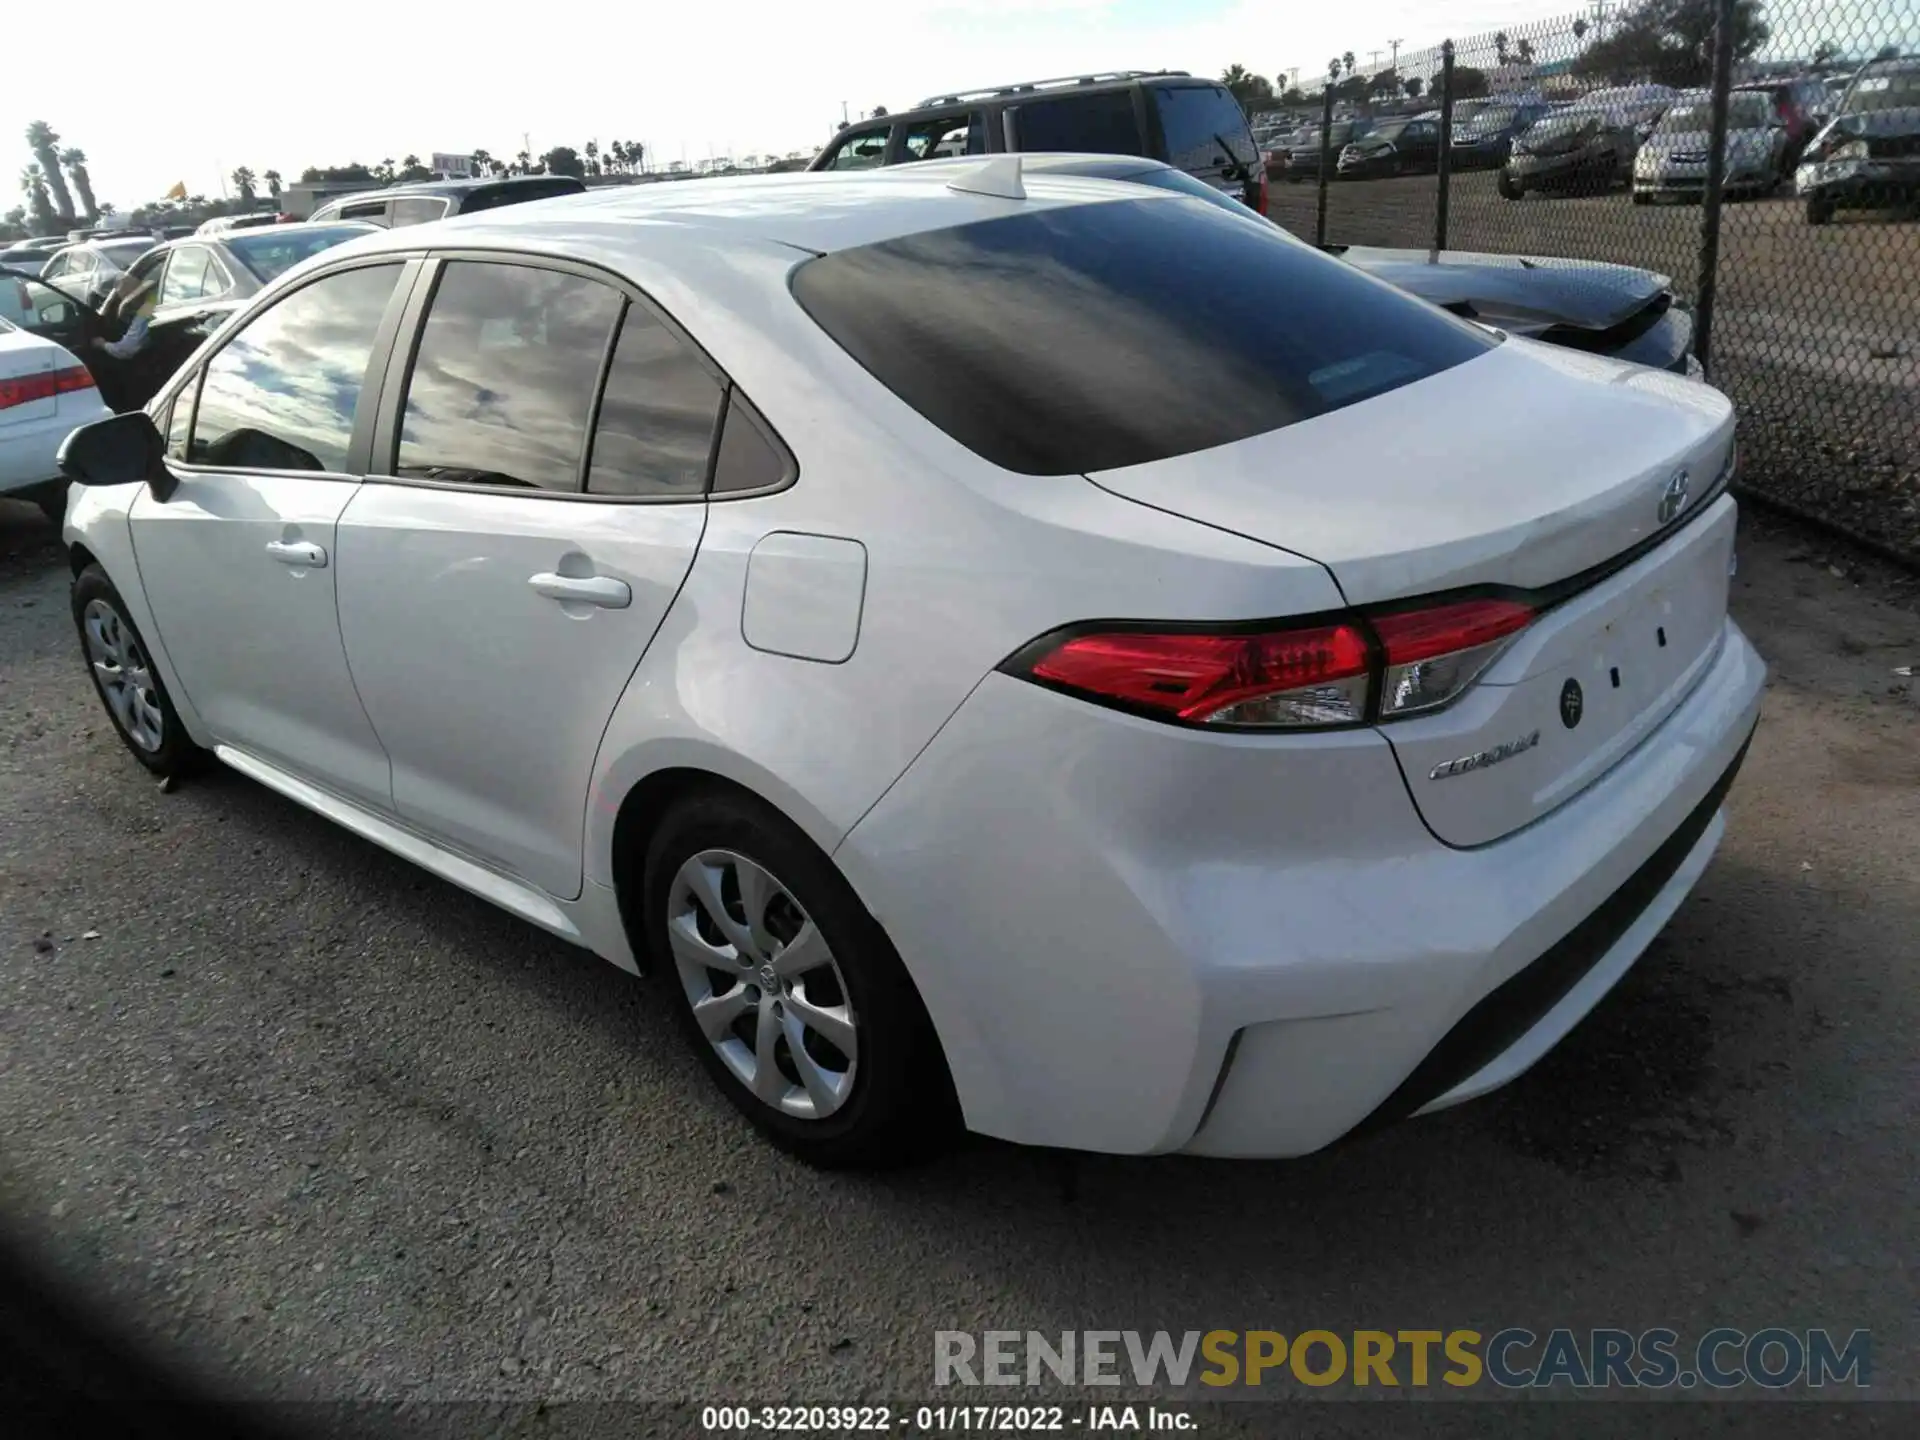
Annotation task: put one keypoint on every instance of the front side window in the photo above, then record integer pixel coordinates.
(281, 394)
(1092, 337)
(1102, 123)
(947, 136)
(503, 379)
(861, 151)
(655, 432)
(1203, 126)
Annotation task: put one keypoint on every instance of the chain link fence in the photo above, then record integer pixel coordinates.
(1592, 138)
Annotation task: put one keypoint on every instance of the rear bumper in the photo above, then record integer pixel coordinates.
(29, 449)
(1134, 938)
(1532, 170)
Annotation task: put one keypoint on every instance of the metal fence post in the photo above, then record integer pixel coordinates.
(1446, 145)
(1326, 163)
(1716, 181)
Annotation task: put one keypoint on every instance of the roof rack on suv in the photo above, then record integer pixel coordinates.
(1058, 82)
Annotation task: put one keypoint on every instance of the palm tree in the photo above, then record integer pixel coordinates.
(272, 177)
(593, 157)
(636, 154)
(1580, 31)
(618, 150)
(1346, 59)
(482, 162)
(75, 163)
(33, 182)
(45, 145)
(1500, 51)
(1523, 52)
(523, 163)
(243, 179)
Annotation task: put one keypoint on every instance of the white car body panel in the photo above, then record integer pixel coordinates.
(1092, 905)
(255, 640)
(490, 697)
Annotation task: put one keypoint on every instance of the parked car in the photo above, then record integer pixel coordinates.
(1797, 106)
(1673, 161)
(1395, 147)
(1869, 154)
(1588, 146)
(1614, 310)
(427, 200)
(1093, 648)
(45, 393)
(1303, 162)
(1191, 123)
(91, 268)
(1484, 141)
(201, 281)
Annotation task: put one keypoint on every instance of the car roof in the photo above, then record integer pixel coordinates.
(814, 211)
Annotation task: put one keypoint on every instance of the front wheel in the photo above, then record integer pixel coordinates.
(788, 990)
(1509, 188)
(1819, 212)
(124, 675)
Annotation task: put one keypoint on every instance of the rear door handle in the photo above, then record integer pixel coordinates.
(601, 590)
(298, 552)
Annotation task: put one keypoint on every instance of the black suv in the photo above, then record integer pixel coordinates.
(1192, 124)
(417, 203)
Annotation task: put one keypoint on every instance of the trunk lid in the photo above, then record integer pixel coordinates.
(1530, 468)
(22, 355)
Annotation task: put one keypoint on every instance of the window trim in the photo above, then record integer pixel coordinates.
(384, 444)
(194, 371)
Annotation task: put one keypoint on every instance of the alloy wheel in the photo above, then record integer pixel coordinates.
(125, 676)
(763, 984)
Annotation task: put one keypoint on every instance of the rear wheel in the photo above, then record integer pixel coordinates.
(129, 686)
(1819, 212)
(788, 990)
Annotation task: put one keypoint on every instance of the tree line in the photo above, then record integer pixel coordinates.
(52, 182)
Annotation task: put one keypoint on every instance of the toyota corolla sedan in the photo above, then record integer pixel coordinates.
(1034, 652)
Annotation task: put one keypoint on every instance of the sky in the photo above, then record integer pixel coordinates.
(369, 80)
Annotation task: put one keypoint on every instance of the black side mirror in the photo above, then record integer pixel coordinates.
(123, 450)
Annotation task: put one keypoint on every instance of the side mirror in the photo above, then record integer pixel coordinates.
(122, 450)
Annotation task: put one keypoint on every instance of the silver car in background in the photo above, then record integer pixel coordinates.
(1673, 160)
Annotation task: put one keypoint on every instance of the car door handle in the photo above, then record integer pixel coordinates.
(601, 590)
(298, 552)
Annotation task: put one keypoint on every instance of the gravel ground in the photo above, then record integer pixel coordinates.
(1816, 330)
(324, 1128)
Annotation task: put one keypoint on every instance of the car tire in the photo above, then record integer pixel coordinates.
(1819, 212)
(1642, 198)
(126, 680)
(872, 1062)
(1509, 188)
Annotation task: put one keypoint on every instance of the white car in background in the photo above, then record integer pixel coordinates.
(1031, 648)
(45, 393)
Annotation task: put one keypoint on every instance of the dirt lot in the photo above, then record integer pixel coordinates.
(1817, 330)
(326, 1128)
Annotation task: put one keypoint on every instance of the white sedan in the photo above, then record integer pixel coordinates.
(1041, 652)
(45, 393)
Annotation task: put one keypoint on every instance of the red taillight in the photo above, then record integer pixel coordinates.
(1262, 205)
(25, 389)
(1316, 675)
(1344, 672)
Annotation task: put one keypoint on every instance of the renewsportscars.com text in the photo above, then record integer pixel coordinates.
(1514, 1358)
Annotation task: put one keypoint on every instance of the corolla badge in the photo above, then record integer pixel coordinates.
(1481, 759)
(1673, 497)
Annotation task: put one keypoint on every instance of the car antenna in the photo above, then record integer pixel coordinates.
(998, 175)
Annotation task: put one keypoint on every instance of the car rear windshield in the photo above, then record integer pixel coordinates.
(1746, 110)
(1096, 336)
(124, 252)
(1886, 90)
(270, 253)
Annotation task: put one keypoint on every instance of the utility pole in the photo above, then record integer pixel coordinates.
(1373, 60)
(1395, 66)
(1600, 8)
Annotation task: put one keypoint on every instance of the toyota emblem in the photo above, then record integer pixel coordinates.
(1673, 497)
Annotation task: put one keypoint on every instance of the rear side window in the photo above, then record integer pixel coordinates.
(1092, 337)
(374, 212)
(1198, 121)
(494, 196)
(860, 152)
(1103, 123)
(750, 457)
(281, 394)
(657, 413)
(945, 137)
(504, 377)
(418, 209)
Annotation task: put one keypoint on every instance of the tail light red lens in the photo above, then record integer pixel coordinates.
(1262, 206)
(1317, 675)
(1347, 671)
(25, 389)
